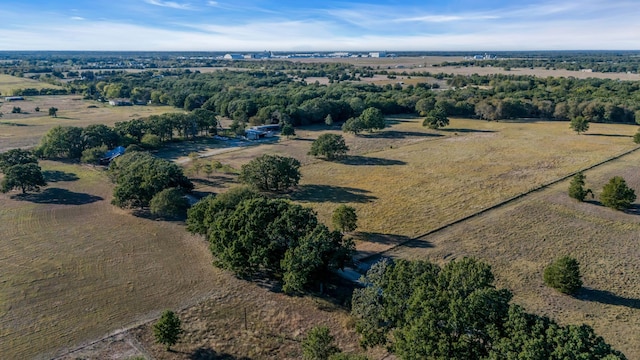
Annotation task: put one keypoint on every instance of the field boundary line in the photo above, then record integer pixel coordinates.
(368, 258)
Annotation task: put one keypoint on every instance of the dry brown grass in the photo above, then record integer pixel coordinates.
(409, 190)
(75, 267)
(520, 239)
(25, 130)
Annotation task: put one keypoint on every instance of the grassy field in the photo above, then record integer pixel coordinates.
(76, 268)
(10, 83)
(520, 239)
(26, 129)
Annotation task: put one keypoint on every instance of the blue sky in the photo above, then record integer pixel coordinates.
(285, 25)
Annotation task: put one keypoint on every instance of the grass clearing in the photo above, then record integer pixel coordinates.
(521, 238)
(405, 191)
(10, 83)
(25, 130)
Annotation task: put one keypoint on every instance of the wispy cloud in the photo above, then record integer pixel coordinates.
(171, 4)
(213, 3)
(77, 18)
(447, 18)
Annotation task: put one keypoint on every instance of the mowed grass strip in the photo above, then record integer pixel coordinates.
(74, 267)
(405, 191)
(520, 239)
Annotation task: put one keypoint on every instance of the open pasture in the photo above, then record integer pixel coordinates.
(10, 83)
(25, 130)
(520, 239)
(402, 191)
(75, 268)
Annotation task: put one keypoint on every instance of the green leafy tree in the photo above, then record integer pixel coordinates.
(169, 203)
(53, 112)
(151, 141)
(328, 120)
(372, 119)
(636, 137)
(564, 275)
(203, 214)
(94, 154)
(99, 134)
(344, 218)
(139, 176)
(167, 330)
(288, 130)
(26, 177)
(576, 187)
(16, 157)
(436, 118)
(331, 146)
(422, 311)
(271, 173)
(617, 195)
(319, 344)
(579, 124)
(16, 110)
(353, 125)
(62, 142)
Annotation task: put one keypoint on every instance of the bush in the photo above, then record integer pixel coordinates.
(318, 345)
(151, 141)
(93, 155)
(617, 195)
(576, 187)
(168, 329)
(564, 275)
(331, 146)
(344, 218)
(169, 203)
(636, 137)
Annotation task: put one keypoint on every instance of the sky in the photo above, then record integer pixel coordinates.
(297, 26)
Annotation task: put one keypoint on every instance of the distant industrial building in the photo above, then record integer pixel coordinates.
(379, 54)
(233, 57)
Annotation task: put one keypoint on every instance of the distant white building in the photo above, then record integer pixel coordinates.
(378, 54)
(233, 57)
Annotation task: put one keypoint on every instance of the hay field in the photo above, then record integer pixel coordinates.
(26, 129)
(520, 239)
(75, 268)
(405, 190)
(9, 83)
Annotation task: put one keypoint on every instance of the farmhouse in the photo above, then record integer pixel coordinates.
(262, 131)
(13, 98)
(120, 102)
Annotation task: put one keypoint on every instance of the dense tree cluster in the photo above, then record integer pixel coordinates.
(139, 176)
(250, 234)
(423, 311)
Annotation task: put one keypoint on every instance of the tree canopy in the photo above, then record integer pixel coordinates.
(564, 275)
(344, 218)
(249, 234)
(139, 176)
(420, 310)
(16, 157)
(271, 173)
(170, 203)
(576, 187)
(167, 329)
(26, 177)
(579, 124)
(331, 146)
(436, 118)
(617, 195)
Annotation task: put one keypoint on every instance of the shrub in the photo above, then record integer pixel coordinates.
(564, 275)
(151, 141)
(318, 345)
(617, 195)
(170, 203)
(576, 187)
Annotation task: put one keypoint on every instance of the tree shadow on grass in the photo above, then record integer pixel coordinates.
(396, 134)
(59, 197)
(606, 297)
(368, 161)
(459, 130)
(328, 193)
(205, 353)
(633, 210)
(609, 135)
(57, 175)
